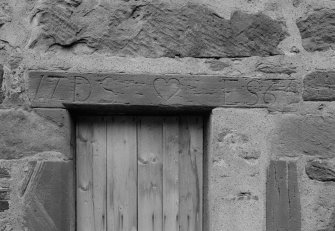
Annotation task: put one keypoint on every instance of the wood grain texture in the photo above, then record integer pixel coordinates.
(91, 175)
(171, 174)
(51, 89)
(294, 198)
(282, 206)
(140, 173)
(190, 174)
(282, 197)
(121, 174)
(271, 197)
(150, 174)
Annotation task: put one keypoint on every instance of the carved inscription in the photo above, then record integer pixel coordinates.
(54, 89)
(166, 88)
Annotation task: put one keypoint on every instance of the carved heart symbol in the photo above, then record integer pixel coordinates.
(166, 88)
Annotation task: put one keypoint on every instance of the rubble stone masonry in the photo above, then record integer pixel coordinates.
(263, 70)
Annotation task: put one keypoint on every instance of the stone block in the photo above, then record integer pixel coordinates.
(310, 135)
(318, 30)
(319, 86)
(52, 89)
(4, 172)
(49, 197)
(236, 170)
(161, 29)
(61, 117)
(4, 194)
(320, 170)
(24, 133)
(4, 205)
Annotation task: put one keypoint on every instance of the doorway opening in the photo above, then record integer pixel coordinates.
(140, 173)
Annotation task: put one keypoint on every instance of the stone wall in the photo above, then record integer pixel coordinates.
(286, 39)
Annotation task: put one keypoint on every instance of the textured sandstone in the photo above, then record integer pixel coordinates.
(59, 116)
(319, 86)
(310, 135)
(155, 30)
(24, 134)
(318, 30)
(276, 67)
(49, 197)
(237, 169)
(320, 170)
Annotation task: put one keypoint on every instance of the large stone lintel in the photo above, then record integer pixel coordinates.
(51, 89)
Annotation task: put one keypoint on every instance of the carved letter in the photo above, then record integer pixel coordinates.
(82, 88)
(253, 87)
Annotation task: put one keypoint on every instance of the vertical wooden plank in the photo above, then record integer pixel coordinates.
(170, 174)
(91, 175)
(277, 197)
(272, 198)
(121, 174)
(281, 175)
(294, 198)
(190, 173)
(150, 168)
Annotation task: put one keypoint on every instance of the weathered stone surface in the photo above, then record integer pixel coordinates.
(318, 30)
(236, 186)
(24, 133)
(4, 205)
(319, 86)
(30, 170)
(4, 193)
(216, 65)
(276, 67)
(321, 170)
(4, 172)
(5, 12)
(49, 198)
(282, 197)
(57, 25)
(59, 116)
(156, 30)
(310, 135)
(53, 89)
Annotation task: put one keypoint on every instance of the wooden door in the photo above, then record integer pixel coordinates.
(139, 173)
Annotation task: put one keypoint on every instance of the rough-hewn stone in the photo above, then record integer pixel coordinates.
(276, 67)
(49, 198)
(4, 172)
(155, 30)
(321, 170)
(4, 193)
(318, 30)
(217, 65)
(319, 86)
(4, 205)
(24, 133)
(59, 116)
